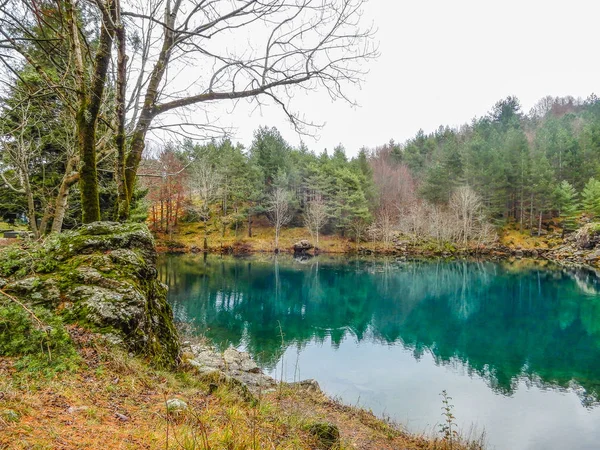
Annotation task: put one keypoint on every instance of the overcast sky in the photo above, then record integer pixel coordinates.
(445, 62)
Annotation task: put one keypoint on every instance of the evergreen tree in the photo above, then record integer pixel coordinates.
(541, 189)
(590, 198)
(566, 200)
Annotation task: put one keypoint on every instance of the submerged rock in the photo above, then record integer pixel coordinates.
(103, 275)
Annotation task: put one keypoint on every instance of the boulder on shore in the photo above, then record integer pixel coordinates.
(302, 246)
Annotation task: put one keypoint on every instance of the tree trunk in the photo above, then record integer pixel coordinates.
(87, 121)
(88, 182)
(123, 198)
(60, 209)
(148, 110)
(30, 206)
(205, 244)
(45, 219)
(531, 213)
(60, 204)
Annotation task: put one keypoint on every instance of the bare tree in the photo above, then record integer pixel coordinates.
(279, 210)
(395, 184)
(316, 216)
(359, 227)
(205, 186)
(20, 152)
(301, 43)
(461, 221)
(466, 206)
(383, 227)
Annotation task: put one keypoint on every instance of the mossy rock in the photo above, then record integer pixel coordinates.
(326, 434)
(102, 276)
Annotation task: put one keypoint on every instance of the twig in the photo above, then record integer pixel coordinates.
(31, 313)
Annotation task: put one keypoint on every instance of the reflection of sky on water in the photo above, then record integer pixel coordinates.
(397, 385)
(518, 348)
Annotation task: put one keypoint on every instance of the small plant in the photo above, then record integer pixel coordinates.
(448, 428)
(37, 338)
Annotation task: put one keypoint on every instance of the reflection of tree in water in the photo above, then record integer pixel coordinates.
(504, 322)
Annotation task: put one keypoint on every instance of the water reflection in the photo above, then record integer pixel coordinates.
(508, 323)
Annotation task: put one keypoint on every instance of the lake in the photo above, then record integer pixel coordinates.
(516, 345)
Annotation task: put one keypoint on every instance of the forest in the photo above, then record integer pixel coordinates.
(452, 185)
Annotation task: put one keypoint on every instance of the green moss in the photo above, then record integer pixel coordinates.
(105, 278)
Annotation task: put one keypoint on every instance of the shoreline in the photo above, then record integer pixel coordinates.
(568, 252)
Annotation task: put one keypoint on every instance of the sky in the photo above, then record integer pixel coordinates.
(443, 62)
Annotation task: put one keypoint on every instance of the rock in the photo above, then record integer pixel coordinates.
(122, 417)
(232, 358)
(518, 253)
(249, 365)
(231, 366)
(104, 275)
(310, 385)
(76, 409)
(176, 406)
(588, 236)
(302, 246)
(326, 434)
(593, 257)
(242, 361)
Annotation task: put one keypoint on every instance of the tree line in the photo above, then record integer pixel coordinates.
(453, 185)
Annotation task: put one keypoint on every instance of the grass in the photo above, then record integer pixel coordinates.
(111, 400)
(262, 240)
(188, 235)
(512, 237)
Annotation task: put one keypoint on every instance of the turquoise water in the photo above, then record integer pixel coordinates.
(517, 345)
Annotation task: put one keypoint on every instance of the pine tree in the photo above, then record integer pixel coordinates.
(566, 200)
(591, 197)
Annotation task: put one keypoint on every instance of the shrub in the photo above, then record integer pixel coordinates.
(46, 348)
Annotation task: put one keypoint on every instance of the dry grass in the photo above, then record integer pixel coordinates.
(262, 240)
(115, 401)
(511, 237)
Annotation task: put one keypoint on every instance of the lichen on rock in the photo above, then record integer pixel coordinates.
(102, 275)
(232, 365)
